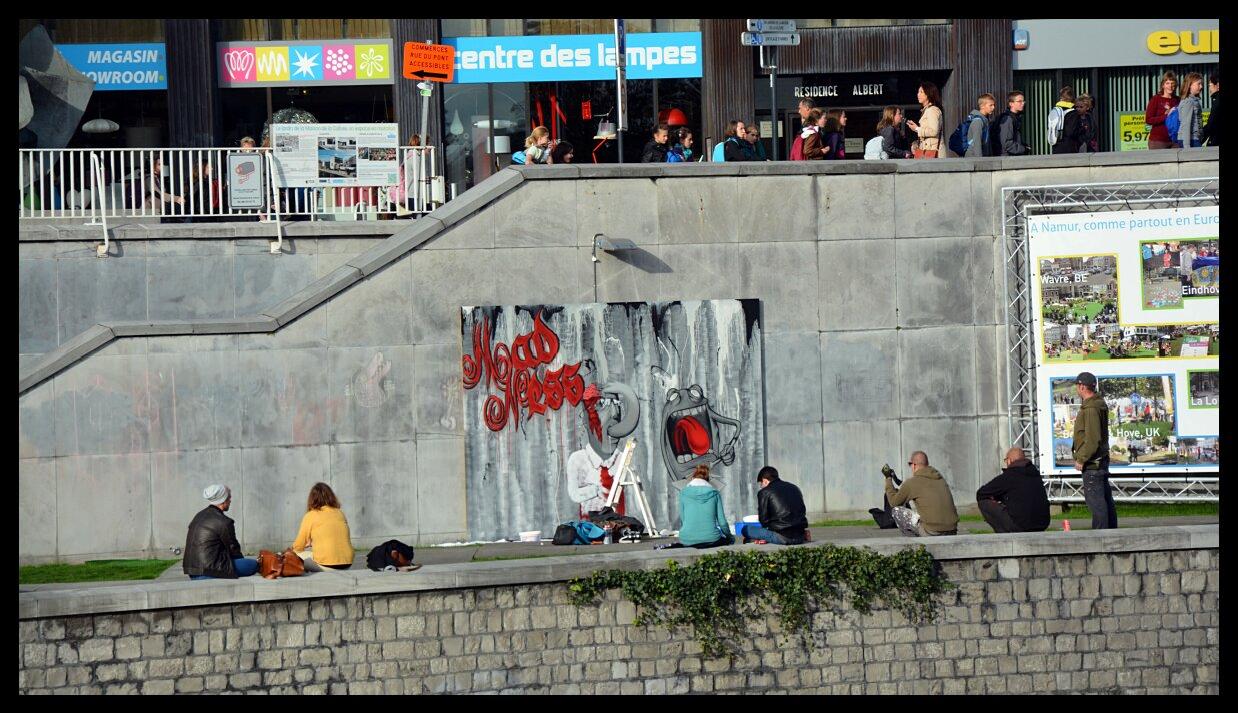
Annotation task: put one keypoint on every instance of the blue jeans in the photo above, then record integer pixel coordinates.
(756, 532)
(1099, 498)
(245, 567)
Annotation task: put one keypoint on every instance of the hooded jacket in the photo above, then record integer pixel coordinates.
(976, 134)
(928, 490)
(813, 146)
(1008, 139)
(211, 545)
(1021, 490)
(702, 517)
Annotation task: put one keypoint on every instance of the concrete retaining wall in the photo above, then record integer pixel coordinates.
(1103, 612)
(879, 283)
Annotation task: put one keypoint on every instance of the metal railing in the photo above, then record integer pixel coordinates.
(189, 184)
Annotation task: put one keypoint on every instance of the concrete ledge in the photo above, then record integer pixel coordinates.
(1210, 153)
(397, 246)
(477, 197)
(76, 600)
(67, 353)
(240, 325)
(33, 230)
(154, 328)
(314, 294)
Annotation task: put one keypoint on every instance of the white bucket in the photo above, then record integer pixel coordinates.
(531, 536)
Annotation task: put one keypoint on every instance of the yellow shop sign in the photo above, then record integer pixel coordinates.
(1167, 42)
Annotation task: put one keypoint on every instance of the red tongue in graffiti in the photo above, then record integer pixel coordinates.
(691, 435)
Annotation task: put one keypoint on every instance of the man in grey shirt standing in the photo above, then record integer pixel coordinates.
(1008, 138)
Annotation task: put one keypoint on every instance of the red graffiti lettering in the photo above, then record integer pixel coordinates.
(513, 371)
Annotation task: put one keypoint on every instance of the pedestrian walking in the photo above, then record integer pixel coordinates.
(1159, 107)
(812, 139)
(1088, 130)
(890, 133)
(755, 147)
(1063, 124)
(537, 146)
(655, 151)
(1211, 133)
(930, 128)
(797, 146)
(731, 148)
(1007, 136)
(1090, 450)
(834, 135)
(681, 152)
(1189, 111)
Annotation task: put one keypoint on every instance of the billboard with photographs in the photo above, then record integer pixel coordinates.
(1132, 297)
(313, 155)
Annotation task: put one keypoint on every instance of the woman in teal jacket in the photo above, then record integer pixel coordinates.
(704, 522)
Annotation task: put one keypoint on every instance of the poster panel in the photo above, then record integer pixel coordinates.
(1132, 297)
(245, 181)
(310, 155)
(552, 394)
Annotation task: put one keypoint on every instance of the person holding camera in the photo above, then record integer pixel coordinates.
(935, 513)
(1015, 501)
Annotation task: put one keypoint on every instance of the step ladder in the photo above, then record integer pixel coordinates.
(627, 476)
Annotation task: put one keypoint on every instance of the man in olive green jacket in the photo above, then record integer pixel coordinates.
(934, 503)
(1090, 449)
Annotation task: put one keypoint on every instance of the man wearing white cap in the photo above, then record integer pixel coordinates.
(211, 548)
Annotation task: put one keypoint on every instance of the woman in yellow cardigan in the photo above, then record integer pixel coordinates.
(325, 529)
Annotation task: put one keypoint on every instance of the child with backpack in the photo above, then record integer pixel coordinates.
(1159, 107)
(971, 138)
(1062, 130)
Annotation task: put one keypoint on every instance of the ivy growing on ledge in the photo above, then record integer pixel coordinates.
(719, 593)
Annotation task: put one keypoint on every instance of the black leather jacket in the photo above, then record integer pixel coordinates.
(211, 545)
(780, 507)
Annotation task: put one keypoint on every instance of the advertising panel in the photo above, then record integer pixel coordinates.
(116, 67)
(245, 182)
(574, 58)
(1132, 297)
(310, 155)
(1132, 132)
(297, 63)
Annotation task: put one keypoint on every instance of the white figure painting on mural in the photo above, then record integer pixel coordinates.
(611, 413)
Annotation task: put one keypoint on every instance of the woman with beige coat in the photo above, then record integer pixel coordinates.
(930, 127)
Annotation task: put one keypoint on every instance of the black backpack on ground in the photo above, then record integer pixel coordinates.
(379, 558)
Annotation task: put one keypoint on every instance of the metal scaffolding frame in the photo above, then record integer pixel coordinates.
(1020, 202)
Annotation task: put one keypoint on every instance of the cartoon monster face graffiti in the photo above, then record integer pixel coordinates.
(692, 433)
(612, 413)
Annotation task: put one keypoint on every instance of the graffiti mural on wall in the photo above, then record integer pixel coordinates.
(552, 393)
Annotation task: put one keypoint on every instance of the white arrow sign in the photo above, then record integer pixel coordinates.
(771, 25)
(756, 39)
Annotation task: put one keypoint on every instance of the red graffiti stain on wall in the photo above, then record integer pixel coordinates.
(518, 373)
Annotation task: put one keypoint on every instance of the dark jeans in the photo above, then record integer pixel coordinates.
(1099, 498)
(245, 567)
(998, 517)
(756, 532)
(337, 566)
(720, 542)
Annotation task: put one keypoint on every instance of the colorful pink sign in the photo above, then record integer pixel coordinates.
(236, 64)
(338, 62)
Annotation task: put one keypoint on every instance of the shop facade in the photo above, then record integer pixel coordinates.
(1118, 62)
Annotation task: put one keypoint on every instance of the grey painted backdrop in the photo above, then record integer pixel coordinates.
(518, 475)
(881, 308)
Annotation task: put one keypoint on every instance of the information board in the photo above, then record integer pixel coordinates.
(1131, 132)
(1131, 297)
(308, 155)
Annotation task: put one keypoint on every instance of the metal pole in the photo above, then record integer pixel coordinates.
(773, 103)
(620, 85)
(425, 111)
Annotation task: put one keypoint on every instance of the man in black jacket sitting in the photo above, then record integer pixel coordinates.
(780, 507)
(211, 548)
(1015, 501)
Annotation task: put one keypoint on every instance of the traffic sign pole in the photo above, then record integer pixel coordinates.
(773, 102)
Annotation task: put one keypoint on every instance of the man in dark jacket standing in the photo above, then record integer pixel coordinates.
(656, 150)
(1008, 138)
(780, 507)
(1090, 449)
(1210, 135)
(1015, 501)
(211, 548)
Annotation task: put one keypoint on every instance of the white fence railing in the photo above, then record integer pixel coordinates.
(190, 184)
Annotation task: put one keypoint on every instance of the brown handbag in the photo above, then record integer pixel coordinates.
(284, 564)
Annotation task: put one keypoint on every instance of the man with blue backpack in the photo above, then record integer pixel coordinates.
(971, 138)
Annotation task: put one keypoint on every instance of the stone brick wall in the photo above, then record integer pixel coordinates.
(1142, 622)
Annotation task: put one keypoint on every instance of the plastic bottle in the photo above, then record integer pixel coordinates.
(610, 536)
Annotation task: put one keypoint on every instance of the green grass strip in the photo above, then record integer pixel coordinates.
(93, 571)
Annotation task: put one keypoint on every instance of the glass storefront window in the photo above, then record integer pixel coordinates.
(245, 110)
(74, 32)
(817, 24)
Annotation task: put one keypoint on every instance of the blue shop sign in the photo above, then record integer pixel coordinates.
(574, 58)
(115, 67)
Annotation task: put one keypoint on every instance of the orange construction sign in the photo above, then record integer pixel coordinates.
(433, 63)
